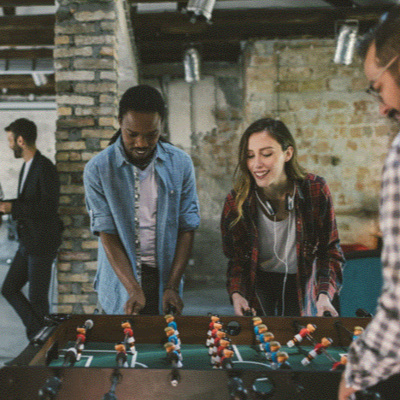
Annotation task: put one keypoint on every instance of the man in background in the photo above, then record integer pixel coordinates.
(38, 225)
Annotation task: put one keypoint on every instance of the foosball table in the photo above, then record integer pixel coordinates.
(97, 357)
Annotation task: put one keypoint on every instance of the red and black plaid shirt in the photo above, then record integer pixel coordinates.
(319, 254)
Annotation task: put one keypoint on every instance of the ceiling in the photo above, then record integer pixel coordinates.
(163, 30)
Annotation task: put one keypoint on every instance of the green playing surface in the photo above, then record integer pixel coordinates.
(98, 354)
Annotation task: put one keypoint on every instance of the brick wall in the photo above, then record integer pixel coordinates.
(86, 70)
(339, 133)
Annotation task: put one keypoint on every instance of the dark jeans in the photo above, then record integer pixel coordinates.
(269, 287)
(35, 269)
(150, 286)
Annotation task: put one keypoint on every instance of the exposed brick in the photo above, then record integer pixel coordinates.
(60, 40)
(75, 156)
(89, 309)
(83, 40)
(74, 76)
(65, 309)
(72, 298)
(64, 288)
(97, 64)
(72, 189)
(66, 277)
(64, 111)
(89, 244)
(75, 99)
(83, 233)
(64, 52)
(94, 111)
(73, 122)
(108, 121)
(94, 16)
(98, 133)
(75, 29)
(107, 51)
(74, 256)
(100, 87)
(62, 146)
(108, 75)
(91, 265)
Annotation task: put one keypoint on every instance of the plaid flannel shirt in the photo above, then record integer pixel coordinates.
(319, 254)
(375, 355)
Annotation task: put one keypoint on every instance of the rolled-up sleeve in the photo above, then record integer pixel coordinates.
(101, 218)
(189, 215)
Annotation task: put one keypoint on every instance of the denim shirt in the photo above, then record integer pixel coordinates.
(110, 193)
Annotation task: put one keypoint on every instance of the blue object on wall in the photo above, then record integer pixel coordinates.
(362, 285)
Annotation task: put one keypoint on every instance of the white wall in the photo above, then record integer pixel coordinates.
(9, 166)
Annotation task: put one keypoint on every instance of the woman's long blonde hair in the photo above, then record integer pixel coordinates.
(243, 180)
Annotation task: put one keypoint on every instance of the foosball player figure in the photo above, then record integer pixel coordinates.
(173, 355)
(226, 359)
(170, 320)
(121, 357)
(217, 327)
(256, 321)
(340, 365)
(220, 335)
(214, 318)
(357, 331)
(282, 358)
(305, 332)
(170, 332)
(80, 341)
(262, 331)
(267, 338)
(74, 354)
(318, 349)
(275, 347)
(223, 344)
(262, 328)
(129, 339)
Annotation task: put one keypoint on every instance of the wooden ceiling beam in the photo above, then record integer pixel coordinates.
(239, 23)
(32, 54)
(24, 85)
(162, 37)
(25, 30)
(341, 3)
(26, 3)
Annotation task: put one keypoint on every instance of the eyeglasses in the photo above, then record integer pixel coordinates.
(371, 90)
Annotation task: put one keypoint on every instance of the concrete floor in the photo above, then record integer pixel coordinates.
(198, 301)
(12, 332)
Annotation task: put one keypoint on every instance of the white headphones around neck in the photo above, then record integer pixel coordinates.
(289, 204)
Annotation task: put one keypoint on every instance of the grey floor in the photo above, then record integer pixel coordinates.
(198, 301)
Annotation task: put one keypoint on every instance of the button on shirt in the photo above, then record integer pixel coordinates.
(110, 192)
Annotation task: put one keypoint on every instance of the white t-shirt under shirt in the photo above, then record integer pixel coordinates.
(148, 214)
(27, 167)
(277, 243)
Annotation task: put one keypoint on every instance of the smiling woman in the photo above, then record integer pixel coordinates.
(279, 230)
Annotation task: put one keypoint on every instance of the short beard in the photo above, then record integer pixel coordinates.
(17, 151)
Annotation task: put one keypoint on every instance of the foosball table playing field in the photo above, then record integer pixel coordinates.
(187, 357)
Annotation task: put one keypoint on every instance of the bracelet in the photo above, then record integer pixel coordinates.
(170, 287)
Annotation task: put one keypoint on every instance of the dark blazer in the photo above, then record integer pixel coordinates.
(36, 209)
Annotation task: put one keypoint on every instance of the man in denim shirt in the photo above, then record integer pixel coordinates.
(142, 200)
